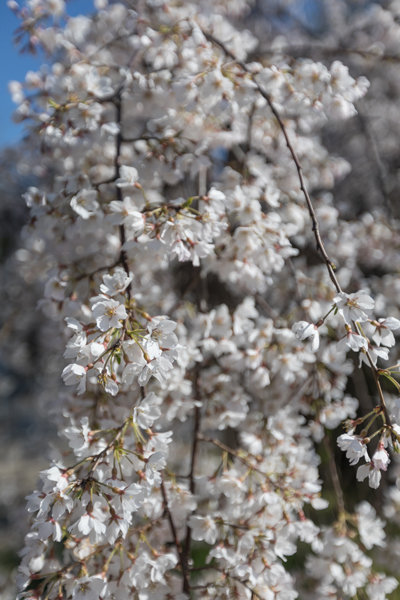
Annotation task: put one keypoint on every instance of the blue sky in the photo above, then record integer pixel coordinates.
(14, 66)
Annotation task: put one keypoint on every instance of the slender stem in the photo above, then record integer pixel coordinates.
(188, 539)
(89, 275)
(334, 476)
(266, 307)
(375, 373)
(266, 96)
(233, 577)
(123, 258)
(236, 454)
(103, 453)
(315, 227)
(174, 533)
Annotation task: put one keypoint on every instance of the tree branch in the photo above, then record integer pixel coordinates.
(334, 476)
(266, 96)
(122, 258)
(320, 246)
(188, 539)
(174, 534)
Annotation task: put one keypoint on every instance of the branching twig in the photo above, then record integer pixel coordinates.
(266, 96)
(315, 227)
(302, 49)
(233, 577)
(90, 275)
(236, 454)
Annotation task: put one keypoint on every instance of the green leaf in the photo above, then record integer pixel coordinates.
(395, 383)
(53, 103)
(187, 203)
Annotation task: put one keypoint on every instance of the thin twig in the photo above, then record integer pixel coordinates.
(266, 96)
(90, 275)
(122, 258)
(320, 246)
(236, 454)
(233, 577)
(188, 539)
(174, 532)
(271, 312)
(334, 476)
(380, 169)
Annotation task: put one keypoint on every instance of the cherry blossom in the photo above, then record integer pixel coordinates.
(354, 447)
(353, 340)
(352, 306)
(74, 374)
(85, 203)
(108, 313)
(187, 235)
(304, 330)
(128, 177)
(116, 283)
(383, 331)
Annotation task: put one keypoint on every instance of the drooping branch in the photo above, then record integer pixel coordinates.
(315, 225)
(334, 476)
(266, 96)
(117, 101)
(174, 535)
(192, 487)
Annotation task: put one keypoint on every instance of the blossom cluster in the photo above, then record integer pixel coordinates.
(192, 408)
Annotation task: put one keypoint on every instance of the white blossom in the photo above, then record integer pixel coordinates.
(352, 306)
(108, 313)
(304, 330)
(116, 283)
(128, 176)
(352, 340)
(170, 231)
(85, 203)
(203, 529)
(354, 447)
(74, 374)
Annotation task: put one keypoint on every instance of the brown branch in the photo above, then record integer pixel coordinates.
(104, 452)
(320, 246)
(109, 180)
(233, 577)
(188, 539)
(174, 533)
(237, 455)
(123, 257)
(266, 96)
(90, 275)
(142, 138)
(334, 476)
(382, 401)
(271, 312)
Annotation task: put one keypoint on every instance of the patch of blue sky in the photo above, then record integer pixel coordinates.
(15, 65)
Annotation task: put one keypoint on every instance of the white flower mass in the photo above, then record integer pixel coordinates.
(184, 183)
